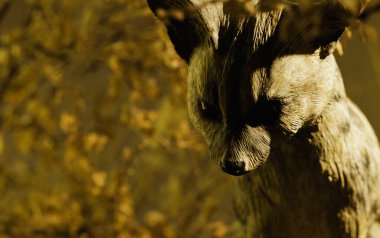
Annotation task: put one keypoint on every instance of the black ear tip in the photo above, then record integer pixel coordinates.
(187, 30)
(156, 4)
(153, 5)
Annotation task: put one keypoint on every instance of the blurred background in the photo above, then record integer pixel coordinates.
(95, 139)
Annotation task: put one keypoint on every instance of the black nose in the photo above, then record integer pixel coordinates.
(234, 168)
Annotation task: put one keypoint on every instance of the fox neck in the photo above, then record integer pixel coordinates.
(303, 189)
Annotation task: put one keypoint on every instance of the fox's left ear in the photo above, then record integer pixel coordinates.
(184, 24)
(319, 25)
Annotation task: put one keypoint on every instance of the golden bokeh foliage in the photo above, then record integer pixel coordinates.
(95, 139)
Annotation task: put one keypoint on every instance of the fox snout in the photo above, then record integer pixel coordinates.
(238, 154)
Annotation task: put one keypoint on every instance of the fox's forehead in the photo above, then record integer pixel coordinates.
(234, 58)
(251, 32)
(223, 22)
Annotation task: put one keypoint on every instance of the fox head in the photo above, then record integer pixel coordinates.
(254, 80)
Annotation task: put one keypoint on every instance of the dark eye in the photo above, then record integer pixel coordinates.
(265, 112)
(208, 111)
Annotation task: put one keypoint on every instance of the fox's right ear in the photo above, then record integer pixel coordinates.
(184, 24)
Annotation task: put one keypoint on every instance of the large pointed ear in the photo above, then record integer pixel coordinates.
(312, 27)
(184, 24)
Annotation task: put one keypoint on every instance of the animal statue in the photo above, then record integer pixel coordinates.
(267, 95)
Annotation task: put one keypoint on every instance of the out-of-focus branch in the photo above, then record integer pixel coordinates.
(4, 86)
(4, 7)
(369, 11)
